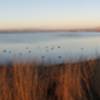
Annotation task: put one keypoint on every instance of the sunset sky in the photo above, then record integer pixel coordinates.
(52, 14)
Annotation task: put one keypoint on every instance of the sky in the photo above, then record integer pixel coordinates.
(49, 14)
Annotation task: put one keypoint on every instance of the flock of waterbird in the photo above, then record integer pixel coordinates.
(46, 48)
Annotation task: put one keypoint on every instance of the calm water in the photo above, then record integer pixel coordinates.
(55, 47)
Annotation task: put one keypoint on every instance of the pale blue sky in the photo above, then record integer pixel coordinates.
(49, 13)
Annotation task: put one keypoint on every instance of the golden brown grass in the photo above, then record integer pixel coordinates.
(48, 82)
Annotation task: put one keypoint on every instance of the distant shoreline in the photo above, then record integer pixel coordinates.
(41, 31)
(50, 30)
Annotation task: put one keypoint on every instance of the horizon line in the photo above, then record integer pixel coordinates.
(49, 30)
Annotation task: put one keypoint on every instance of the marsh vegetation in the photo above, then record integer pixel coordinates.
(32, 81)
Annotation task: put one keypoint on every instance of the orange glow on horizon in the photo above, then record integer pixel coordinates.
(48, 24)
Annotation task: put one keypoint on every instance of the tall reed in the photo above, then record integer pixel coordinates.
(31, 81)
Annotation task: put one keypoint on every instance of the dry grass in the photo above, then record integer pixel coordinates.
(48, 82)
